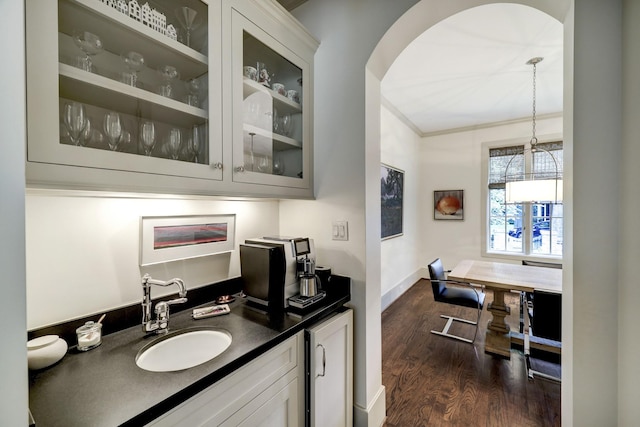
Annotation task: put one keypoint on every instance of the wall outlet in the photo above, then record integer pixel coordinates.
(340, 230)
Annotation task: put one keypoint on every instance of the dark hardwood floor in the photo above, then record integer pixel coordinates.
(435, 381)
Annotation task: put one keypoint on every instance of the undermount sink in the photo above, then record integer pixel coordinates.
(183, 349)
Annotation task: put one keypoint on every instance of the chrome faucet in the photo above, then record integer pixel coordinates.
(161, 322)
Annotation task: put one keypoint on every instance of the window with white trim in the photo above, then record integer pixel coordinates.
(523, 229)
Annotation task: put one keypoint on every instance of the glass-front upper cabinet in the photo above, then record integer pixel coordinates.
(272, 139)
(123, 85)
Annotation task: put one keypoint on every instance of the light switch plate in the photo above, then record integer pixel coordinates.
(340, 230)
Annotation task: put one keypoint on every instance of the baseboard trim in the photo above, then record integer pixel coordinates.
(375, 414)
(394, 293)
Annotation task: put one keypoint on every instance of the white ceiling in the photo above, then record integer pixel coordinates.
(471, 70)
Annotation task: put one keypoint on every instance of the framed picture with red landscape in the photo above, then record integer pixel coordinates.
(171, 238)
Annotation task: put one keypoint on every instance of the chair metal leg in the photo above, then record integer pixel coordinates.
(450, 320)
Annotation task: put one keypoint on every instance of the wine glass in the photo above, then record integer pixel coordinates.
(251, 154)
(285, 124)
(189, 19)
(113, 129)
(86, 133)
(194, 143)
(276, 121)
(174, 141)
(75, 120)
(168, 73)
(263, 164)
(90, 44)
(193, 89)
(278, 166)
(148, 136)
(134, 63)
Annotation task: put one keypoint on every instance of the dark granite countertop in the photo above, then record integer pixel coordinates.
(105, 387)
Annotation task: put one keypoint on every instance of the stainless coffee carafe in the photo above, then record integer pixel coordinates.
(309, 282)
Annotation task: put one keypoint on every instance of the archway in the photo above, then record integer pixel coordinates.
(417, 20)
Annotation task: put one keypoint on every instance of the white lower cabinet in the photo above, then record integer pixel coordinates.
(270, 391)
(266, 392)
(330, 346)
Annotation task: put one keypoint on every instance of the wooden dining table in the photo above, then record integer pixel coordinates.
(500, 278)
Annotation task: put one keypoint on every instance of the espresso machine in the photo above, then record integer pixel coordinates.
(279, 272)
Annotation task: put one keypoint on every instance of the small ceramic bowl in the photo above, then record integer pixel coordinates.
(45, 351)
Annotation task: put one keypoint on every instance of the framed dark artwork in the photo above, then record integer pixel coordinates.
(448, 205)
(391, 199)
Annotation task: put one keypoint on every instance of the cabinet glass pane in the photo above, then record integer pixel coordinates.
(133, 77)
(272, 111)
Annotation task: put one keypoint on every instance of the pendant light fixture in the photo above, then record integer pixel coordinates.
(535, 187)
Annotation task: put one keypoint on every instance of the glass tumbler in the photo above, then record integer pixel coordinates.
(89, 336)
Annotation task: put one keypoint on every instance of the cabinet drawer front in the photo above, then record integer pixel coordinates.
(275, 406)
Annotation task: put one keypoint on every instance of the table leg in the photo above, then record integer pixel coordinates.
(498, 339)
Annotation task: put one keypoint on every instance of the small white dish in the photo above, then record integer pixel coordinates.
(45, 351)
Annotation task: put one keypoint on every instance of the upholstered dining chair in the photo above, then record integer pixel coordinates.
(456, 293)
(544, 315)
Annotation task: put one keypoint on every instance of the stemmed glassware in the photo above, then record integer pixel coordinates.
(168, 73)
(91, 45)
(251, 155)
(193, 89)
(86, 133)
(263, 164)
(193, 146)
(134, 63)
(278, 166)
(113, 129)
(285, 124)
(75, 119)
(174, 141)
(147, 136)
(189, 19)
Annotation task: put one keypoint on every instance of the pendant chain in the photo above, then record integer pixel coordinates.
(534, 140)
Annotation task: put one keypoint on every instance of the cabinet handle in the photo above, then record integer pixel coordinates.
(239, 169)
(217, 165)
(324, 361)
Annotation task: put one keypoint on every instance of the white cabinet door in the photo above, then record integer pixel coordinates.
(140, 111)
(331, 372)
(272, 101)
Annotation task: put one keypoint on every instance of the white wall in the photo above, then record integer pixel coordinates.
(629, 292)
(82, 250)
(453, 161)
(13, 357)
(348, 32)
(594, 251)
(402, 256)
(449, 161)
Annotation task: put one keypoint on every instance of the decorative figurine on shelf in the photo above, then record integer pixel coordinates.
(122, 7)
(171, 32)
(134, 10)
(145, 14)
(263, 76)
(159, 22)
